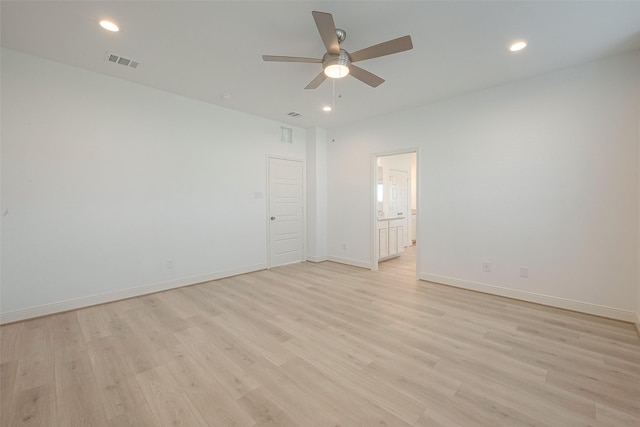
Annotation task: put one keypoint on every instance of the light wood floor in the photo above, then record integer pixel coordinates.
(320, 344)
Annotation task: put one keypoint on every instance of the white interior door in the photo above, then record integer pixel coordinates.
(399, 199)
(286, 225)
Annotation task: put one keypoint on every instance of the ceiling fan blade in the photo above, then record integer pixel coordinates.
(327, 30)
(387, 48)
(274, 58)
(365, 76)
(317, 81)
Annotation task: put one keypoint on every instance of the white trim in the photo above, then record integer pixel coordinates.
(583, 307)
(349, 261)
(373, 227)
(312, 258)
(82, 302)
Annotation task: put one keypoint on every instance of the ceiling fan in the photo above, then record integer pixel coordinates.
(337, 62)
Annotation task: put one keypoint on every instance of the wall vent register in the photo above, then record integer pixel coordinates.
(286, 135)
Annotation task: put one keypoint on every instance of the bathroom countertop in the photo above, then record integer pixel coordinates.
(387, 218)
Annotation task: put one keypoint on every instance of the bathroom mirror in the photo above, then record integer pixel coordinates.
(380, 192)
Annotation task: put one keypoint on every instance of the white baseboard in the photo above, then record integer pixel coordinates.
(312, 258)
(349, 261)
(583, 307)
(76, 303)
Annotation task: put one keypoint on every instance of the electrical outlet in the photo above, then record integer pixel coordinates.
(524, 272)
(486, 267)
(169, 264)
(344, 246)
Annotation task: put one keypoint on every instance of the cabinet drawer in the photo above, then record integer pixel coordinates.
(382, 225)
(396, 223)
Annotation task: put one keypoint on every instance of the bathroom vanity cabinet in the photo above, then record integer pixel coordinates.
(390, 236)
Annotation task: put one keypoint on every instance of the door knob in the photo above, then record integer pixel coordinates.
(272, 218)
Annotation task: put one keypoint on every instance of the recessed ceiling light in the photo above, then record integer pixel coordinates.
(519, 45)
(109, 26)
(326, 108)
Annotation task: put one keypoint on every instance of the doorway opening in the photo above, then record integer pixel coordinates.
(394, 183)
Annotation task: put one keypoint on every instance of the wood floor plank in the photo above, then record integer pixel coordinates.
(68, 343)
(78, 399)
(630, 368)
(351, 377)
(264, 410)
(117, 387)
(8, 372)
(320, 344)
(92, 323)
(241, 311)
(432, 419)
(393, 343)
(421, 382)
(167, 400)
(133, 346)
(319, 386)
(163, 313)
(260, 343)
(204, 391)
(10, 341)
(617, 397)
(34, 407)
(612, 417)
(182, 302)
(545, 408)
(487, 411)
(468, 373)
(156, 335)
(302, 407)
(232, 377)
(234, 348)
(36, 366)
(139, 417)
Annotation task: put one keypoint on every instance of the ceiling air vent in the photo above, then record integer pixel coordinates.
(116, 59)
(294, 114)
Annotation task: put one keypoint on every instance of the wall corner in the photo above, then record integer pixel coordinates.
(316, 139)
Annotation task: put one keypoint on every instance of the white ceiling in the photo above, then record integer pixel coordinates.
(204, 49)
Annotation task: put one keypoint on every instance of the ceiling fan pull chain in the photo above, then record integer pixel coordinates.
(333, 102)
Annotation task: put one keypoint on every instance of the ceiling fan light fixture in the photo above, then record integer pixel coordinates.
(336, 71)
(336, 66)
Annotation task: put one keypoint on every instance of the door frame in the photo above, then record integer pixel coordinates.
(373, 207)
(268, 205)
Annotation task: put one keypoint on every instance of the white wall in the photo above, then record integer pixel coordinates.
(414, 203)
(541, 173)
(316, 194)
(104, 181)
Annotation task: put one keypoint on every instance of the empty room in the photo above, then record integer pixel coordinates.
(307, 213)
